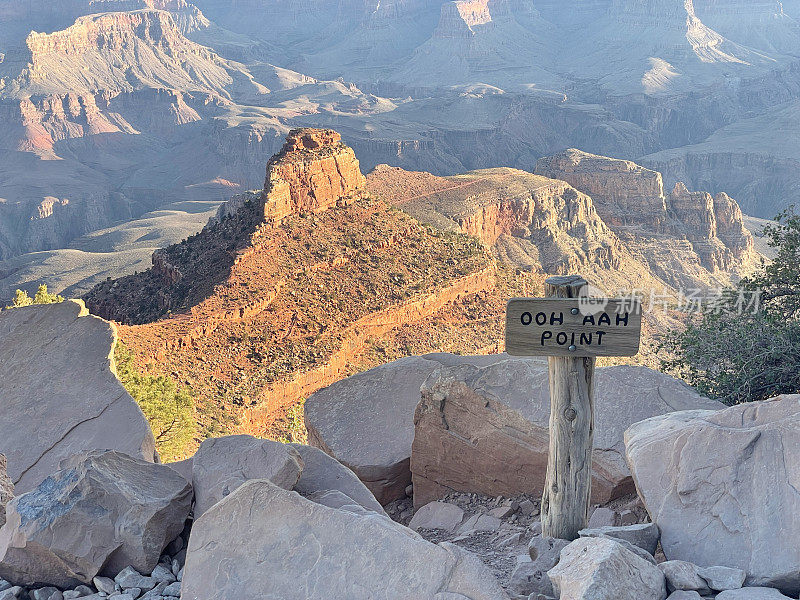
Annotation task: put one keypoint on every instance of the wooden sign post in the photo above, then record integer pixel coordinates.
(571, 329)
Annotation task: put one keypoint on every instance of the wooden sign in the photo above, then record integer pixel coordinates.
(574, 327)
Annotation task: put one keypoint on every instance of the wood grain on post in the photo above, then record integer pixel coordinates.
(568, 486)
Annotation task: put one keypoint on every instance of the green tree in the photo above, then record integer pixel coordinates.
(21, 298)
(169, 409)
(745, 350)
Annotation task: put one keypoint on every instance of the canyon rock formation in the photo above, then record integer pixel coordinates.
(295, 287)
(116, 109)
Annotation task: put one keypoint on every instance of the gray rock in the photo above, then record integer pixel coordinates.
(602, 569)
(752, 593)
(47, 593)
(367, 421)
(4, 585)
(123, 596)
(12, 593)
(71, 594)
(635, 549)
(173, 589)
(163, 573)
(100, 513)
(479, 524)
(131, 578)
(683, 576)
(722, 578)
(602, 517)
(530, 576)
(183, 468)
(221, 465)
(720, 507)
(684, 595)
(437, 515)
(645, 536)
(104, 584)
(298, 550)
(322, 472)
(60, 355)
(487, 430)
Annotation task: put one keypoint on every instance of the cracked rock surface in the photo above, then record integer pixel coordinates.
(724, 487)
(60, 395)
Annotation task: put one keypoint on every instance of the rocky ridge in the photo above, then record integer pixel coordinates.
(301, 294)
(607, 218)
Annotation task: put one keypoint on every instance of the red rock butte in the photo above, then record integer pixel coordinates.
(314, 171)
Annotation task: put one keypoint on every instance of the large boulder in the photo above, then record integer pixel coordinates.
(60, 396)
(6, 489)
(723, 487)
(102, 512)
(367, 421)
(264, 539)
(222, 464)
(322, 473)
(487, 430)
(603, 569)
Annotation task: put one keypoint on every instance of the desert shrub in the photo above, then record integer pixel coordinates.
(292, 426)
(168, 408)
(42, 296)
(743, 350)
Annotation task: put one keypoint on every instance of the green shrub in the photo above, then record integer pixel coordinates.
(42, 296)
(168, 408)
(739, 355)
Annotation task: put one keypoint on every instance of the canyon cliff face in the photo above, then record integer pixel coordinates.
(631, 199)
(273, 300)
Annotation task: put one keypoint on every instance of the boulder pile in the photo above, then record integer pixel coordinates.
(711, 515)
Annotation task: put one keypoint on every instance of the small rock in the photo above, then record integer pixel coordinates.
(528, 508)
(645, 536)
(4, 585)
(135, 592)
(684, 595)
(176, 567)
(437, 515)
(104, 584)
(173, 589)
(47, 593)
(628, 517)
(121, 596)
(683, 576)
(752, 593)
(722, 578)
(501, 512)
(480, 523)
(410, 491)
(602, 517)
(155, 593)
(71, 594)
(509, 539)
(536, 528)
(84, 590)
(530, 576)
(163, 573)
(12, 593)
(131, 578)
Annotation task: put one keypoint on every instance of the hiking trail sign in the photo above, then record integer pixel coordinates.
(571, 329)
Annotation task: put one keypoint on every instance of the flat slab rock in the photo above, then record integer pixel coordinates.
(60, 396)
(262, 537)
(367, 421)
(102, 512)
(487, 430)
(722, 487)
